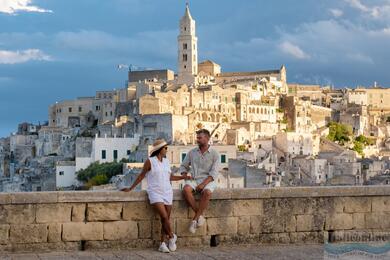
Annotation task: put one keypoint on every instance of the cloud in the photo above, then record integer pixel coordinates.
(293, 50)
(377, 12)
(14, 57)
(14, 6)
(336, 12)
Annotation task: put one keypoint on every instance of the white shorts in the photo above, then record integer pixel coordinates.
(157, 197)
(193, 183)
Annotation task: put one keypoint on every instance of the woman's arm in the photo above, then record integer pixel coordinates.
(179, 178)
(141, 176)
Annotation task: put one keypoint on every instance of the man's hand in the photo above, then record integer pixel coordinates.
(187, 177)
(200, 187)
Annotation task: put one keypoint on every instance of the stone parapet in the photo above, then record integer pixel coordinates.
(107, 219)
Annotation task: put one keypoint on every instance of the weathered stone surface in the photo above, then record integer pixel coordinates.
(138, 211)
(104, 211)
(145, 229)
(55, 230)
(219, 208)
(305, 222)
(19, 214)
(307, 237)
(50, 213)
(34, 197)
(358, 221)
(380, 204)
(246, 193)
(77, 231)
(185, 242)
(182, 228)
(4, 231)
(339, 221)
(120, 230)
(5, 198)
(216, 226)
(377, 220)
(357, 204)
(244, 225)
(248, 207)
(180, 209)
(102, 196)
(32, 233)
(256, 224)
(78, 212)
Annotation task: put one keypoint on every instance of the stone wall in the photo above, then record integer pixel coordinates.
(86, 220)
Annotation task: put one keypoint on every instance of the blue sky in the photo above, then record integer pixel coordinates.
(52, 50)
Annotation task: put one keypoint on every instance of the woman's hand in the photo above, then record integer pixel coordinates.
(126, 189)
(187, 177)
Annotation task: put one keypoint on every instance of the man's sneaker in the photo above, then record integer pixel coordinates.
(163, 248)
(172, 243)
(193, 226)
(201, 221)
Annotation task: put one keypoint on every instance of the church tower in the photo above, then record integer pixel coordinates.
(187, 50)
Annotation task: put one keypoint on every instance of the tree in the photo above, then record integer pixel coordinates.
(339, 132)
(98, 174)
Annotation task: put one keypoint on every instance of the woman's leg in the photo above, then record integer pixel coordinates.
(165, 221)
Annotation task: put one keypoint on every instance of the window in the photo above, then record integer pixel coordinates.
(184, 46)
(128, 152)
(61, 173)
(70, 110)
(185, 57)
(223, 158)
(115, 154)
(80, 109)
(183, 156)
(97, 108)
(103, 154)
(185, 28)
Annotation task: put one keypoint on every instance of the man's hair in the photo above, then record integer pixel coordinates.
(203, 131)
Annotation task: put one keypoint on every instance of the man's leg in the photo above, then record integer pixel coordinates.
(203, 203)
(189, 197)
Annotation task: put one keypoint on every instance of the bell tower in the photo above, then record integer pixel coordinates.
(187, 49)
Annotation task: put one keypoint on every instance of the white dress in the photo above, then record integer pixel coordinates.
(159, 184)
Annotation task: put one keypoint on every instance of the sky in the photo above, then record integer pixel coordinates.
(53, 50)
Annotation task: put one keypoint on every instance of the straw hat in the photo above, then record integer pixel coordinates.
(158, 144)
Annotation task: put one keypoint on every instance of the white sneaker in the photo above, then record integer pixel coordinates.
(172, 243)
(201, 221)
(163, 248)
(193, 226)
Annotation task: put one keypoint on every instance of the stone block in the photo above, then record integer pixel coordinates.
(120, 230)
(339, 221)
(358, 220)
(219, 208)
(145, 229)
(244, 225)
(305, 223)
(55, 230)
(78, 212)
(4, 234)
(377, 220)
(256, 224)
(380, 204)
(19, 214)
(32, 233)
(34, 197)
(248, 207)
(138, 211)
(180, 209)
(77, 231)
(104, 211)
(357, 204)
(220, 226)
(182, 228)
(51, 213)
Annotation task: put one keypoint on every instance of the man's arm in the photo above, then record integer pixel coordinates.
(213, 173)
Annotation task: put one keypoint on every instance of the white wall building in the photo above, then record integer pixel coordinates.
(66, 174)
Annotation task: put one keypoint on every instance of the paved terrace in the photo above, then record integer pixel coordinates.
(124, 224)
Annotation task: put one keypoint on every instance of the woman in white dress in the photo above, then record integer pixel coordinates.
(157, 170)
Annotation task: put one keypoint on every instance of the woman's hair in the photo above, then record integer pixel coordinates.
(155, 153)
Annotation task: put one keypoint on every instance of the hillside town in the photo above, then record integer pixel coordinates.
(269, 132)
